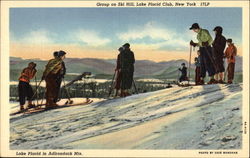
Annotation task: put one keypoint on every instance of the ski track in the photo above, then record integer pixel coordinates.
(56, 128)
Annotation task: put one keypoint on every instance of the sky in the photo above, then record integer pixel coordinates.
(158, 34)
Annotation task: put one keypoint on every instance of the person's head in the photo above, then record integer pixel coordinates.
(120, 49)
(183, 64)
(55, 54)
(198, 52)
(61, 54)
(195, 27)
(218, 30)
(126, 45)
(229, 41)
(32, 65)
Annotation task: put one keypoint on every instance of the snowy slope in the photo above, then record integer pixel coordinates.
(195, 117)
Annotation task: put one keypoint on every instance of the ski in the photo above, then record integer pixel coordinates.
(39, 108)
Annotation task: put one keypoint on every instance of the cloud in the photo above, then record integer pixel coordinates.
(90, 38)
(163, 37)
(39, 36)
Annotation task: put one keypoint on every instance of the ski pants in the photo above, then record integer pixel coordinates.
(183, 78)
(197, 74)
(230, 75)
(207, 62)
(51, 89)
(24, 90)
(58, 87)
(127, 78)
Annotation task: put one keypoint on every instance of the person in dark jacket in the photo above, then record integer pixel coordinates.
(197, 63)
(219, 45)
(127, 69)
(61, 74)
(183, 73)
(24, 88)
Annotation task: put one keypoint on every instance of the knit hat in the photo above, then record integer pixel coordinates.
(229, 40)
(55, 54)
(61, 53)
(32, 64)
(219, 29)
(126, 45)
(194, 26)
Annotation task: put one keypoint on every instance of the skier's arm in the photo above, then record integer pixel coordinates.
(33, 73)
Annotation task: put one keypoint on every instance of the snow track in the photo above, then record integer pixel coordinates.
(57, 128)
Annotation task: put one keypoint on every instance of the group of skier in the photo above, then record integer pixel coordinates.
(53, 75)
(211, 54)
(210, 59)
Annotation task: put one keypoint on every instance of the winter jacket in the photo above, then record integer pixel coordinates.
(203, 36)
(127, 59)
(183, 71)
(54, 66)
(219, 45)
(27, 74)
(230, 53)
(198, 61)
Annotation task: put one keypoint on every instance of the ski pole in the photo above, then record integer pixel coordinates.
(36, 90)
(225, 74)
(69, 100)
(189, 64)
(135, 87)
(212, 60)
(111, 86)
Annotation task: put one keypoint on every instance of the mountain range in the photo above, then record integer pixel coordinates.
(104, 68)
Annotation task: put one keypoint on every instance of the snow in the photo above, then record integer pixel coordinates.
(199, 117)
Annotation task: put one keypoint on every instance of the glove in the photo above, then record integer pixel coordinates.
(193, 44)
(204, 44)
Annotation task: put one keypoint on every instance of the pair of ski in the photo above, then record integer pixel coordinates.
(187, 85)
(41, 107)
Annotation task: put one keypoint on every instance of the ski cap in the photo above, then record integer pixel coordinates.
(229, 40)
(32, 64)
(183, 64)
(61, 53)
(194, 26)
(55, 54)
(219, 29)
(126, 45)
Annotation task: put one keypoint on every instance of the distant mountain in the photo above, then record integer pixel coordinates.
(99, 67)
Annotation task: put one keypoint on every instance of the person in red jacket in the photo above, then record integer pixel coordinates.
(24, 88)
(118, 72)
(230, 54)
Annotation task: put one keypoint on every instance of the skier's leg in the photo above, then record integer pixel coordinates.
(21, 93)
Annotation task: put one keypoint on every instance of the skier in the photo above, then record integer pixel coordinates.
(118, 72)
(24, 88)
(183, 73)
(219, 45)
(51, 74)
(204, 42)
(197, 68)
(230, 54)
(127, 69)
(60, 76)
